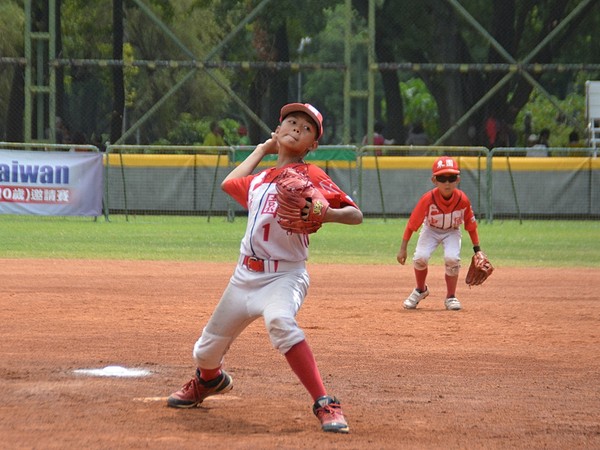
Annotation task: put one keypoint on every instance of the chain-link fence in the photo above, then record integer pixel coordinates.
(385, 181)
(479, 80)
(475, 81)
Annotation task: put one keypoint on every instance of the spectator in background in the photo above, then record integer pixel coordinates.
(573, 143)
(378, 138)
(243, 134)
(491, 131)
(527, 126)
(78, 138)
(417, 135)
(63, 133)
(544, 138)
(505, 136)
(574, 139)
(499, 133)
(540, 148)
(97, 141)
(214, 138)
(532, 140)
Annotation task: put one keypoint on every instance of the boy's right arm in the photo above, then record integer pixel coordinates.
(247, 166)
(403, 252)
(414, 223)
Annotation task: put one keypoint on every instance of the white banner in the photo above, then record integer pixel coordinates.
(51, 183)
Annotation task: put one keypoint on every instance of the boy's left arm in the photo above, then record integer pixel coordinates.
(302, 207)
(341, 208)
(348, 215)
(471, 223)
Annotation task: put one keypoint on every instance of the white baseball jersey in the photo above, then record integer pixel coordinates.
(270, 279)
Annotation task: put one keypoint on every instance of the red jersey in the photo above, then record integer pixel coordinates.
(435, 211)
(257, 193)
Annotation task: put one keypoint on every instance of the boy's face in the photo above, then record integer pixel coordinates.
(446, 183)
(298, 132)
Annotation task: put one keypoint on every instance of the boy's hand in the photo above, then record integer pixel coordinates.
(401, 257)
(271, 145)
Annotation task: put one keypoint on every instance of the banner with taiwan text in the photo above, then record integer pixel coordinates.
(51, 183)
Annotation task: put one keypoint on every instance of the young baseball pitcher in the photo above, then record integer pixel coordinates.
(270, 279)
(441, 211)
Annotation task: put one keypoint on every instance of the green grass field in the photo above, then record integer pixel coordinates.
(376, 241)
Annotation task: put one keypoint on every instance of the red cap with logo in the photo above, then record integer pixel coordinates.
(445, 164)
(306, 108)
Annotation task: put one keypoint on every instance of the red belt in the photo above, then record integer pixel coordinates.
(254, 264)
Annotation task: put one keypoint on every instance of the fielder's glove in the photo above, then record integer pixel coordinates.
(301, 207)
(479, 270)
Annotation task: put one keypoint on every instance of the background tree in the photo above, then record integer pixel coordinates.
(12, 21)
(431, 31)
(86, 33)
(274, 37)
(198, 29)
(118, 97)
(415, 31)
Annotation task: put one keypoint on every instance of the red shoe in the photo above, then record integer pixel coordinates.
(196, 390)
(329, 411)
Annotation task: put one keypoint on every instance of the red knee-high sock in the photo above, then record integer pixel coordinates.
(302, 361)
(421, 276)
(209, 374)
(451, 283)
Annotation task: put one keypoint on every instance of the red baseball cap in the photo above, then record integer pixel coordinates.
(306, 108)
(445, 164)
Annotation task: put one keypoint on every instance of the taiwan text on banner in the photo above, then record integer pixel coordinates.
(51, 183)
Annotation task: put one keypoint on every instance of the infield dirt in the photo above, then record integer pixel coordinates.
(518, 367)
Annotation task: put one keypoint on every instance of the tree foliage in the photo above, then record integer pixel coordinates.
(12, 21)
(432, 31)
(407, 31)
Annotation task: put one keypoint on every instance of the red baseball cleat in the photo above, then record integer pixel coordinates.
(196, 390)
(329, 411)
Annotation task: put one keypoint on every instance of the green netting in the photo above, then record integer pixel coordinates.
(325, 153)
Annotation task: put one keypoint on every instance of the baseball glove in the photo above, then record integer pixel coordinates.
(479, 270)
(301, 207)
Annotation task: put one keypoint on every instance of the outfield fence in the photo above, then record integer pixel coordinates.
(385, 181)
